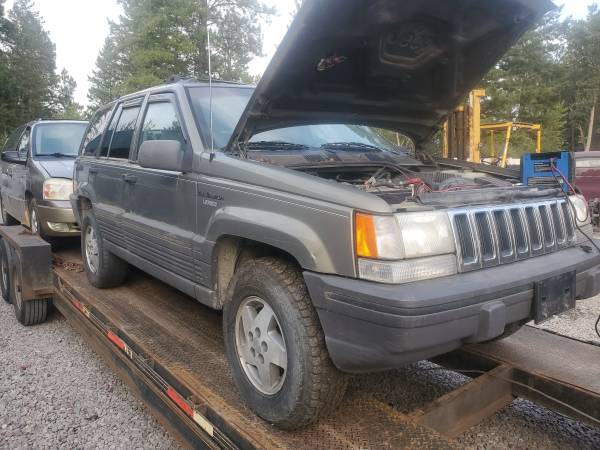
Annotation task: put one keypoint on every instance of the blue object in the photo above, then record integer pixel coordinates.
(536, 169)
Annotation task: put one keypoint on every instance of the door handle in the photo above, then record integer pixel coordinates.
(132, 179)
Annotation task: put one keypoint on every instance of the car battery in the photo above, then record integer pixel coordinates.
(537, 169)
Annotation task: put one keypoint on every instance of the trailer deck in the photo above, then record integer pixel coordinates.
(169, 350)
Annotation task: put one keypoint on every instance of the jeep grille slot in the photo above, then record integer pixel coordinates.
(487, 237)
(464, 234)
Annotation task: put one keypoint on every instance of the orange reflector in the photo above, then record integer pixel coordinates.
(365, 236)
(180, 401)
(115, 340)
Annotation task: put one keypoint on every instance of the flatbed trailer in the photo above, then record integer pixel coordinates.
(169, 350)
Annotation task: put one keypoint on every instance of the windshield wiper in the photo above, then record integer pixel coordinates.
(59, 155)
(350, 146)
(274, 146)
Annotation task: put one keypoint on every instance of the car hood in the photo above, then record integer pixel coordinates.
(401, 65)
(58, 168)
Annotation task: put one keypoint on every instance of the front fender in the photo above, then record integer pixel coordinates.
(285, 233)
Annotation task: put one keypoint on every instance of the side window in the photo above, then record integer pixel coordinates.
(161, 123)
(91, 141)
(108, 135)
(123, 135)
(13, 140)
(24, 144)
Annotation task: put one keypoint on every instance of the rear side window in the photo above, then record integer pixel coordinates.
(91, 142)
(161, 123)
(123, 135)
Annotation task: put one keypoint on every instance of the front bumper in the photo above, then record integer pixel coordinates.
(57, 212)
(370, 326)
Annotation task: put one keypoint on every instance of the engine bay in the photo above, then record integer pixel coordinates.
(396, 184)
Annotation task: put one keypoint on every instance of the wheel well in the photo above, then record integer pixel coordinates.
(231, 251)
(83, 203)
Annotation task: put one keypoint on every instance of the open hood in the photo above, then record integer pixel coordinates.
(396, 64)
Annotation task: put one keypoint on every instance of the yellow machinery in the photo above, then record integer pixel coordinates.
(462, 132)
(507, 128)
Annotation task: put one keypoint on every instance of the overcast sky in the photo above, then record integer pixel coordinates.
(79, 27)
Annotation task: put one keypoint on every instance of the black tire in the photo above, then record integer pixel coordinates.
(7, 219)
(32, 312)
(5, 272)
(312, 386)
(111, 270)
(37, 229)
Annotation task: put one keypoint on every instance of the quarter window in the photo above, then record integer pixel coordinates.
(91, 142)
(161, 123)
(123, 135)
(24, 144)
(108, 136)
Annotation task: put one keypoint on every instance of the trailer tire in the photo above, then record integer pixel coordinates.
(104, 270)
(32, 312)
(5, 272)
(311, 386)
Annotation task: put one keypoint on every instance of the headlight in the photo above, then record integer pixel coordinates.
(57, 189)
(425, 234)
(404, 248)
(580, 209)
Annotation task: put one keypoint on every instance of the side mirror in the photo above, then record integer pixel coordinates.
(162, 155)
(13, 157)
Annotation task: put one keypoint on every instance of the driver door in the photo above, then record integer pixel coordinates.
(14, 180)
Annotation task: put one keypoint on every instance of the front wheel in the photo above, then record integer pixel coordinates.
(276, 347)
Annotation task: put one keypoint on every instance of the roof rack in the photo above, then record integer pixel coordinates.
(183, 78)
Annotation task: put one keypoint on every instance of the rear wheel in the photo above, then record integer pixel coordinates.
(30, 312)
(104, 270)
(276, 347)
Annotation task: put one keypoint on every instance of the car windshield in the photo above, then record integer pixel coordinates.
(58, 139)
(228, 104)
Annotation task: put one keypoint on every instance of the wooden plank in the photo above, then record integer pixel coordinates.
(459, 410)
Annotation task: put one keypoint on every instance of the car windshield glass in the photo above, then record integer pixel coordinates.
(58, 139)
(228, 104)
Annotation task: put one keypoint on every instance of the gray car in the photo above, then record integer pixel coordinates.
(36, 167)
(292, 208)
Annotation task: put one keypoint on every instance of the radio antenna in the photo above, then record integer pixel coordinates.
(210, 93)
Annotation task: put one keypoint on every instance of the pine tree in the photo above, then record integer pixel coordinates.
(31, 61)
(155, 39)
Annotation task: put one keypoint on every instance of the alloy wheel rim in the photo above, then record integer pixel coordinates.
(35, 227)
(91, 249)
(261, 345)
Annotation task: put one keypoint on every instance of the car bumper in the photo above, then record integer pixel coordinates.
(370, 326)
(57, 218)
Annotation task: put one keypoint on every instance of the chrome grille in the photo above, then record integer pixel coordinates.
(487, 237)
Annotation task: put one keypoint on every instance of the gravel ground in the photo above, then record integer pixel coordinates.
(56, 393)
(578, 323)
